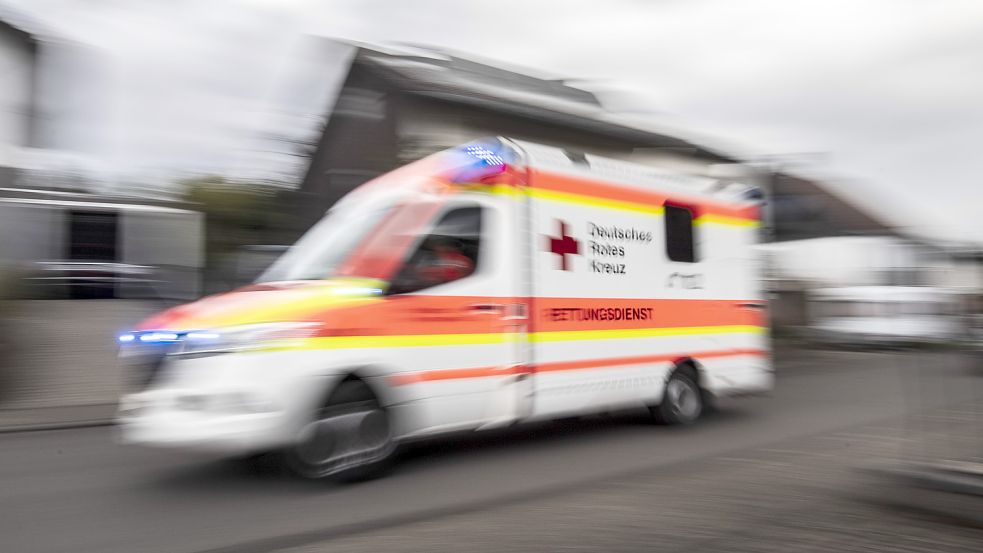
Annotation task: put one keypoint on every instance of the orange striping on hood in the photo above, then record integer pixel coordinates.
(291, 301)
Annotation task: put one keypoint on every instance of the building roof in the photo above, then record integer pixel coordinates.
(461, 79)
(22, 24)
(442, 75)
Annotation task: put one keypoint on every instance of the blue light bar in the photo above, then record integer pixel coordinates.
(478, 160)
(159, 337)
(487, 157)
(154, 337)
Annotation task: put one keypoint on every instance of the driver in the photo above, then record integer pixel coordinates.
(446, 262)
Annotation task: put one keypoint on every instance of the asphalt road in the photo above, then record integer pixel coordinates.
(76, 490)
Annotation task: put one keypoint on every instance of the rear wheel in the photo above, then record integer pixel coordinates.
(682, 401)
(349, 438)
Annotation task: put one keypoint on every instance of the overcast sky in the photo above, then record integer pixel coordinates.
(886, 94)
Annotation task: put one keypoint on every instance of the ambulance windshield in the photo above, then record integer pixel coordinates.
(372, 222)
(318, 253)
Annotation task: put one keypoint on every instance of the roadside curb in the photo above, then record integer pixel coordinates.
(55, 418)
(54, 426)
(950, 477)
(927, 487)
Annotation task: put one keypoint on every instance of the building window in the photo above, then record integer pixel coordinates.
(679, 234)
(92, 236)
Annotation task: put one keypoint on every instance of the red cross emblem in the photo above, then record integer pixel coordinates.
(564, 245)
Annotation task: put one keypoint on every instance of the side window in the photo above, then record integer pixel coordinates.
(679, 233)
(448, 253)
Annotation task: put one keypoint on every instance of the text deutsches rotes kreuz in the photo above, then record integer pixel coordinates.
(607, 244)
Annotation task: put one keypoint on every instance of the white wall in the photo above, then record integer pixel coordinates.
(73, 99)
(67, 132)
(15, 93)
(843, 261)
(964, 274)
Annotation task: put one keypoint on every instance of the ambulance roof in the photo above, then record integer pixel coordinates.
(636, 175)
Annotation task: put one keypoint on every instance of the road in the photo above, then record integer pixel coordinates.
(77, 490)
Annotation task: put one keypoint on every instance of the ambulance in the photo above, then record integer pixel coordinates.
(483, 286)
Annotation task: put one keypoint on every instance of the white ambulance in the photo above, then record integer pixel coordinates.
(483, 286)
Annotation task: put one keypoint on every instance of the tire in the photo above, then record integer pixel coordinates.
(682, 401)
(348, 439)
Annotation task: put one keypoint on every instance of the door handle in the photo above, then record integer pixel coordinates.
(753, 305)
(490, 308)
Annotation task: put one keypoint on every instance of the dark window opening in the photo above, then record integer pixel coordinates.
(92, 236)
(679, 234)
(448, 253)
(92, 248)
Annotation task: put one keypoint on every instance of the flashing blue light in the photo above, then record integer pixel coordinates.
(158, 337)
(481, 160)
(126, 338)
(488, 157)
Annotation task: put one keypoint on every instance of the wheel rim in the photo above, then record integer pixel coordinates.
(344, 437)
(684, 399)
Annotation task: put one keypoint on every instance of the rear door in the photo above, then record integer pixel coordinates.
(595, 259)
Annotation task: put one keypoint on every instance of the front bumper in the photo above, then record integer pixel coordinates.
(172, 421)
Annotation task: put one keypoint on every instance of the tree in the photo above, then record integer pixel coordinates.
(237, 213)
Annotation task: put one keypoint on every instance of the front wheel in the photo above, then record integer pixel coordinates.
(348, 439)
(682, 401)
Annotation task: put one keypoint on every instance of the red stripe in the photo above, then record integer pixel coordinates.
(481, 372)
(642, 359)
(558, 314)
(416, 315)
(453, 374)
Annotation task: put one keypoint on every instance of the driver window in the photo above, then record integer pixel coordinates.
(448, 253)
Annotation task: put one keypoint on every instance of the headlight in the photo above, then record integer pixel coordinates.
(224, 402)
(243, 338)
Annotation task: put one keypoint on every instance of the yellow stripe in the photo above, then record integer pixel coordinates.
(713, 219)
(497, 189)
(573, 335)
(290, 304)
(291, 309)
(423, 340)
(596, 201)
(403, 341)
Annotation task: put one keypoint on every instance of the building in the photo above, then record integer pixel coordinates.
(390, 106)
(395, 106)
(805, 208)
(53, 109)
(386, 106)
(53, 106)
(18, 111)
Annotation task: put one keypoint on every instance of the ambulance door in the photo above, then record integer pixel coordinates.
(460, 289)
(582, 299)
